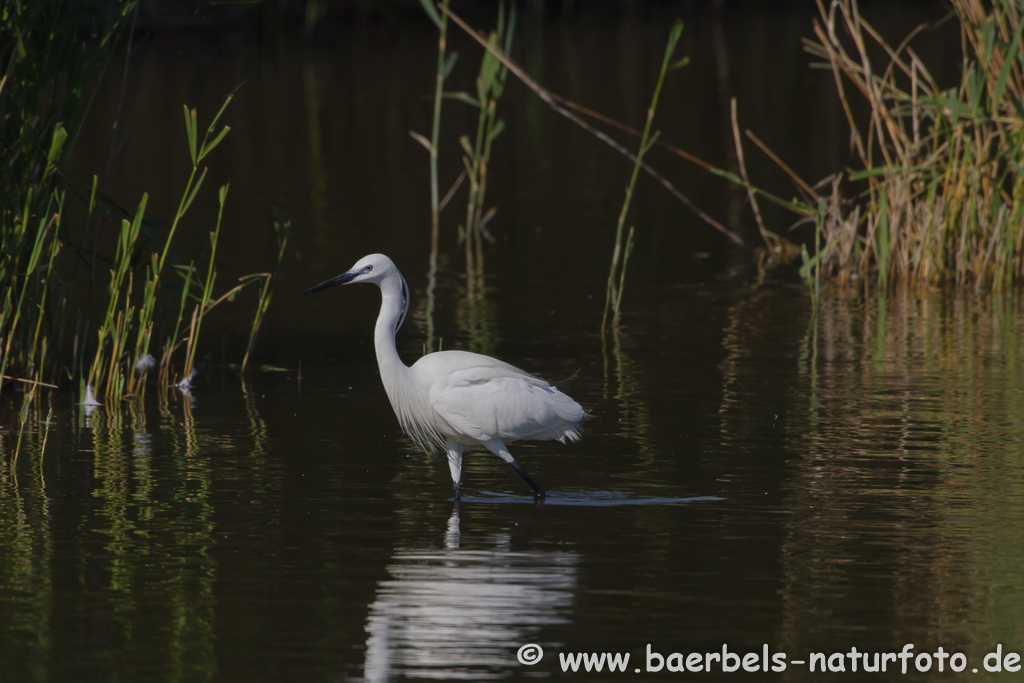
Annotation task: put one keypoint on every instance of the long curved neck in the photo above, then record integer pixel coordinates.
(391, 305)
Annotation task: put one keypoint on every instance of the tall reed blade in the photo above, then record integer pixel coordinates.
(282, 228)
(615, 273)
(490, 85)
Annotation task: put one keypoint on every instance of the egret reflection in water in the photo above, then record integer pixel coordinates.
(462, 614)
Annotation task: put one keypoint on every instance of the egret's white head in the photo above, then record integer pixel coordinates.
(373, 269)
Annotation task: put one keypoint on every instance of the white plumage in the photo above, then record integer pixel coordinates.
(457, 399)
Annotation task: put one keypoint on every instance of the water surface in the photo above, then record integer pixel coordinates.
(756, 472)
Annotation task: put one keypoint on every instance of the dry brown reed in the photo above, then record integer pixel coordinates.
(942, 169)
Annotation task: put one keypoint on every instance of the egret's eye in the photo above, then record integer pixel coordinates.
(367, 269)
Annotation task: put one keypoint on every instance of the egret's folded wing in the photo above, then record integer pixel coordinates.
(505, 408)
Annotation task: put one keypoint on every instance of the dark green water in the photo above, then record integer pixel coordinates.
(754, 474)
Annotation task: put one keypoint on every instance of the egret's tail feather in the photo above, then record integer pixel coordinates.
(565, 384)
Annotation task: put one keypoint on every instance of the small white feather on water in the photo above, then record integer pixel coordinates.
(89, 399)
(186, 384)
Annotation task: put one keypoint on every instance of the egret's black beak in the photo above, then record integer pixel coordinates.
(342, 279)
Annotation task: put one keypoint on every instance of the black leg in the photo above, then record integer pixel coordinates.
(540, 493)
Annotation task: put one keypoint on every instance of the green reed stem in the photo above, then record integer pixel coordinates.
(37, 337)
(112, 330)
(282, 228)
(46, 434)
(490, 84)
(170, 344)
(443, 65)
(612, 298)
(211, 276)
(198, 152)
(622, 276)
(26, 404)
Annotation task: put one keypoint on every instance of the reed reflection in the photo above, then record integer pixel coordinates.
(475, 312)
(477, 318)
(429, 300)
(26, 558)
(461, 614)
(907, 490)
(128, 496)
(152, 532)
(624, 383)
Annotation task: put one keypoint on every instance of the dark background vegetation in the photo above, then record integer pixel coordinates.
(320, 127)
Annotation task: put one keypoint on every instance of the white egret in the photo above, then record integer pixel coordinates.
(456, 399)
